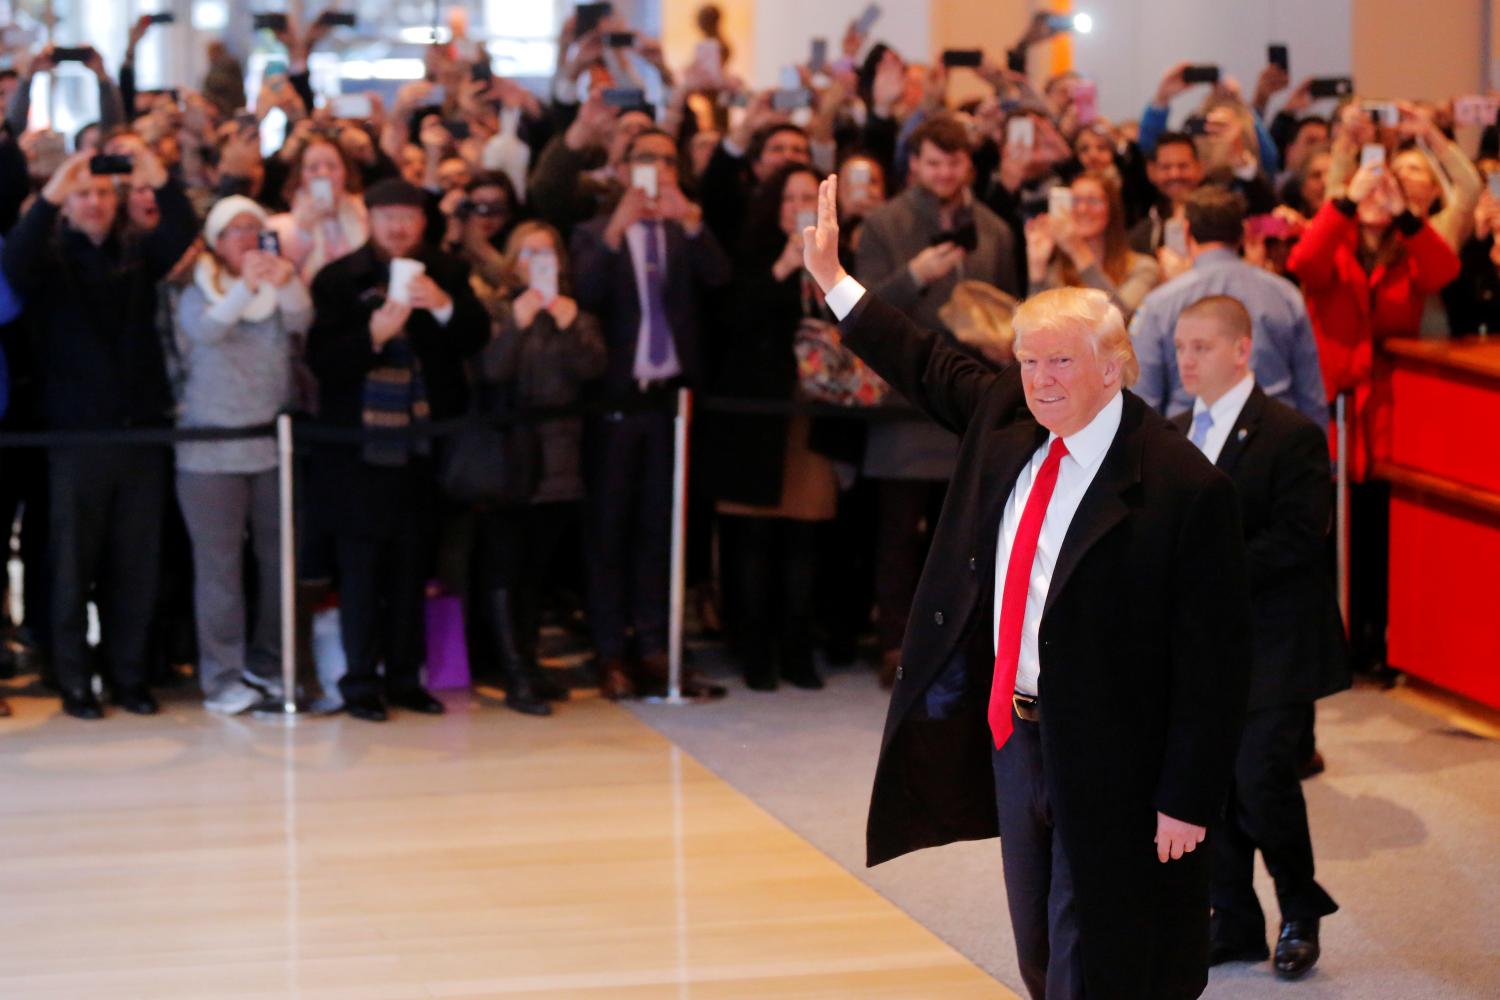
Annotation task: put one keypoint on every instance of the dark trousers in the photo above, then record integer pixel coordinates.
(1038, 879)
(906, 514)
(106, 522)
(1369, 572)
(776, 560)
(382, 610)
(1266, 813)
(518, 548)
(845, 590)
(23, 488)
(630, 523)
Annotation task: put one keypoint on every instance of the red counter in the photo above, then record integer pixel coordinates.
(1444, 470)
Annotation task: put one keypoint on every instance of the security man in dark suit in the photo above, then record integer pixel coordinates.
(1278, 460)
(1074, 672)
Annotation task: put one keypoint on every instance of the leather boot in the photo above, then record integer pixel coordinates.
(520, 687)
(528, 630)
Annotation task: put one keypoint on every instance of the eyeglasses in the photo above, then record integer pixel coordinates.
(488, 209)
(649, 159)
(1090, 202)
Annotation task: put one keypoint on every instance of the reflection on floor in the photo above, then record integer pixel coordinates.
(480, 854)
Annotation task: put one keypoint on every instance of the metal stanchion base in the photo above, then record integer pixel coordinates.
(667, 699)
(287, 715)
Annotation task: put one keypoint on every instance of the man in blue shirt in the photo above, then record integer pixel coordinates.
(1284, 354)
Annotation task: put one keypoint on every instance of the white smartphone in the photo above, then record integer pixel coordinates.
(1174, 236)
(321, 189)
(542, 270)
(1059, 201)
(1021, 131)
(353, 106)
(709, 58)
(643, 176)
(1372, 156)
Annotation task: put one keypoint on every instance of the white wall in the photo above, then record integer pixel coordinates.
(784, 28)
(1135, 41)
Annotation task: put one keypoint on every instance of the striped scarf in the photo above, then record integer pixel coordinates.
(396, 399)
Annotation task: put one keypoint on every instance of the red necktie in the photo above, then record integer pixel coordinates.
(1017, 583)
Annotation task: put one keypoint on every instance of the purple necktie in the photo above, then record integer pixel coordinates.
(656, 303)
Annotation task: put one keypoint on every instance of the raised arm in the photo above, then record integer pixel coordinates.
(942, 381)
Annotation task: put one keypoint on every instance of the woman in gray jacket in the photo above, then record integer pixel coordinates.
(237, 327)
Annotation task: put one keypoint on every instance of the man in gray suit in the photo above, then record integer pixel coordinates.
(913, 252)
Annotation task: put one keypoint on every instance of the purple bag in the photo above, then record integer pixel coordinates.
(447, 653)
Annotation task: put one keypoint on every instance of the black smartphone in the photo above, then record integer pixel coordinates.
(791, 98)
(1201, 74)
(338, 18)
(586, 16)
(1331, 86)
(168, 18)
(867, 19)
(481, 71)
(105, 165)
(269, 22)
(458, 128)
(624, 98)
(1196, 125)
(1276, 55)
(1060, 22)
(963, 57)
(818, 59)
(620, 39)
(246, 120)
(76, 53)
(270, 243)
(965, 237)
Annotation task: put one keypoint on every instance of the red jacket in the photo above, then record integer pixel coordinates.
(1352, 310)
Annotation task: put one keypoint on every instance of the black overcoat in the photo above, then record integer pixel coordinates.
(1278, 460)
(1145, 655)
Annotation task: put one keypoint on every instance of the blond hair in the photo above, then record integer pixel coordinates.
(1087, 311)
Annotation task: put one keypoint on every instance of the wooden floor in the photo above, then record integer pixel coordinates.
(480, 854)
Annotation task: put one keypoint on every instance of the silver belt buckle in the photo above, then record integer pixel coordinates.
(1028, 708)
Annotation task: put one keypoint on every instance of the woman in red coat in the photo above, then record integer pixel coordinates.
(1367, 264)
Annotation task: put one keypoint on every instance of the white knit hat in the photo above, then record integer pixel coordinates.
(225, 212)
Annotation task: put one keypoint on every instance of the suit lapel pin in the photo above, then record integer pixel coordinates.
(1244, 433)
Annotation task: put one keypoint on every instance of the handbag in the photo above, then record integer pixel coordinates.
(828, 372)
(485, 464)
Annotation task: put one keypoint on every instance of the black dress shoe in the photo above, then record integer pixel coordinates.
(547, 687)
(137, 701)
(1297, 948)
(1220, 952)
(418, 700)
(82, 706)
(368, 709)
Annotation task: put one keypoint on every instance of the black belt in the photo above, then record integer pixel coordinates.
(1028, 707)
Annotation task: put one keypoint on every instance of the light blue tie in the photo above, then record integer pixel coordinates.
(1201, 423)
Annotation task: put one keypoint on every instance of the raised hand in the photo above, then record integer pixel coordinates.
(820, 243)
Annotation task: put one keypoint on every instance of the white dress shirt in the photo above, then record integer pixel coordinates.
(1086, 450)
(1225, 411)
(644, 370)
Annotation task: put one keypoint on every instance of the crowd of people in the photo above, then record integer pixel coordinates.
(478, 247)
